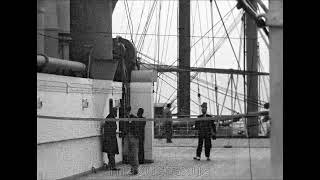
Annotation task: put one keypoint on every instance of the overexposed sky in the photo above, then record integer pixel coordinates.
(160, 43)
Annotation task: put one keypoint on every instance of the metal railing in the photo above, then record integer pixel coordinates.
(235, 130)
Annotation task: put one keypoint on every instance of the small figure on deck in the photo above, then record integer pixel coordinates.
(141, 126)
(206, 131)
(168, 123)
(109, 139)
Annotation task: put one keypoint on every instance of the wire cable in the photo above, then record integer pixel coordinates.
(234, 53)
(143, 7)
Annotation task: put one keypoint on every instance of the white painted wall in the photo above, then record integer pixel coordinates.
(62, 95)
(52, 130)
(69, 147)
(66, 158)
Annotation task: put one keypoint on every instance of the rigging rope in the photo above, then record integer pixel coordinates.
(143, 6)
(214, 59)
(204, 96)
(146, 27)
(158, 49)
(203, 81)
(207, 20)
(191, 90)
(236, 95)
(174, 62)
(219, 45)
(165, 32)
(250, 101)
(227, 34)
(169, 32)
(129, 12)
(239, 57)
(233, 17)
(128, 18)
(203, 56)
(264, 79)
(228, 14)
(166, 38)
(195, 55)
(225, 96)
(176, 88)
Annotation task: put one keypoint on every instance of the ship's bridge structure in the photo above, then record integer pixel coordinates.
(83, 72)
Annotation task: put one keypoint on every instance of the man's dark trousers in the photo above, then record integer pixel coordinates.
(207, 144)
(141, 150)
(132, 144)
(168, 129)
(112, 162)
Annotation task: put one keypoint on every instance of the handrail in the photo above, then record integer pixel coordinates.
(215, 118)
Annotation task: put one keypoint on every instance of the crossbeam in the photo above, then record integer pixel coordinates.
(167, 68)
(215, 118)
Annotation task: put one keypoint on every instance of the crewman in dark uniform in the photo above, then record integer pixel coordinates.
(141, 126)
(168, 123)
(130, 132)
(206, 131)
(126, 114)
(109, 139)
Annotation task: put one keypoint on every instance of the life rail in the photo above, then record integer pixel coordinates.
(215, 118)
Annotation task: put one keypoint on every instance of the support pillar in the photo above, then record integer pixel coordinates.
(275, 22)
(252, 65)
(183, 93)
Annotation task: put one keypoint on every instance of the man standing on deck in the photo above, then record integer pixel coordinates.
(206, 131)
(141, 126)
(127, 114)
(168, 123)
(109, 139)
(130, 132)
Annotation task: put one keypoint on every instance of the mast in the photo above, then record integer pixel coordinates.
(252, 65)
(183, 93)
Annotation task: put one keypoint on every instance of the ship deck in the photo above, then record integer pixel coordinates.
(175, 161)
